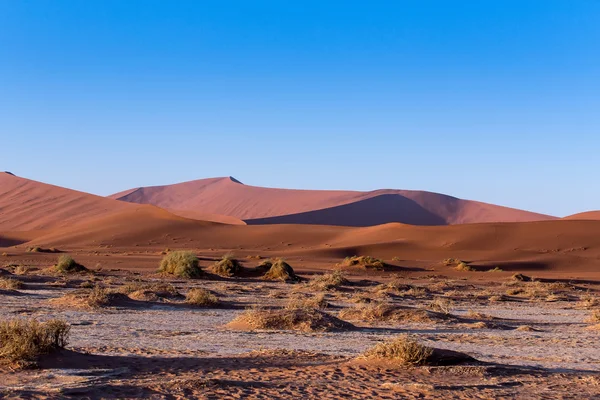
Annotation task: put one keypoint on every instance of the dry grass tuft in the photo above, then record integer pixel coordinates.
(10, 284)
(21, 270)
(227, 266)
(463, 266)
(279, 270)
(403, 349)
(89, 299)
(366, 262)
(67, 265)
(201, 297)
(316, 301)
(441, 305)
(299, 319)
(331, 280)
(386, 312)
(594, 316)
(22, 342)
(183, 264)
(521, 278)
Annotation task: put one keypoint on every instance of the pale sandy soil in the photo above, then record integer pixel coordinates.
(170, 350)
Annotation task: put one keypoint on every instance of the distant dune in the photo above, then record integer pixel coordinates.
(588, 215)
(258, 205)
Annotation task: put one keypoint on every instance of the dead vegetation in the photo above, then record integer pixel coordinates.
(227, 266)
(201, 297)
(298, 319)
(67, 265)
(366, 262)
(387, 312)
(402, 349)
(183, 264)
(313, 301)
(96, 298)
(329, 281)
(38, 249)
(278, 270)
(22, 342)
(10, 284)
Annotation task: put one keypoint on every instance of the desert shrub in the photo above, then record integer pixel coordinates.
(21, 270)
(594, 316)
(316, 301)
(441, 305)
(301, 319)
(4, 254)
(495, 269)
(87, 285)
(521, 278)
(463, 266)
(10, 284)
(227, 266)
(67, 265)
(183, 264)
(403, 349)
(201, 297)
(364, 262)
(23, 341)
(89, 299)
(452, 262)
(38, 249)
(387, 312)
(328, 281)
(279, 270)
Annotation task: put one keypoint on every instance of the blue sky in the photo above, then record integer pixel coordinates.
(497, 101)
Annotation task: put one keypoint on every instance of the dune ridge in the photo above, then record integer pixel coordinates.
(259, 205)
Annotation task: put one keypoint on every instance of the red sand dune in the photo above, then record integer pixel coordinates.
(257, 205)
(588, 215)
(54, 216)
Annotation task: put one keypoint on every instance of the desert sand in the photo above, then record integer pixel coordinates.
(517, 299)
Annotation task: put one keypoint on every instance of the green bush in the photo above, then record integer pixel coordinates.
(181, 263)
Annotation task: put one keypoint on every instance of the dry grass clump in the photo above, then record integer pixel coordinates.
(21, 270)
(89, 299)
(299, 319)
(386, 312)
(403, 349)
(67, 265)
(279, 270)
(316, 301)
(594, 316)
(463, 266)
(441, 305)
(366, 262)
(227, 266)
(22, 342)
(495, 269)
(10, 284)
(201, 297)
(38, 249)
(521, 278)
(331, 280)
(148, 291)
(588, 301)
(183, 264)
(452, 262)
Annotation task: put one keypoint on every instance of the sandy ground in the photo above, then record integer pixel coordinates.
(167, 349)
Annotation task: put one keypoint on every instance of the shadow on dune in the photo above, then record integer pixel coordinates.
(8, 242)
(516, 266)
(377, 210)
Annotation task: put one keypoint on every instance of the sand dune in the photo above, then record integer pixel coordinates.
(588, 215)
(257, 205)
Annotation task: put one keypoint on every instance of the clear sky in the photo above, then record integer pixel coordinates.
(497, 101)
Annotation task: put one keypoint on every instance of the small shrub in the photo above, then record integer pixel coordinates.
(521, 278)
(463, 266)
(280, 271)
(594, 316)
(403, 349)
(387, 312)
(10, 284)
(183, 264)
(22, 342)
(495, 269)
(441, 305)
(201, 297)
(367, 262)
(227, 266)
(300, 319)
(21, 270)
(67, 265)
(328, 281)
(452, 262)
(316, 301)
(5, 254)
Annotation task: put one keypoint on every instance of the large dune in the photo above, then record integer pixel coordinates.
(258, 205)
(588, 215)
